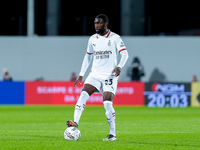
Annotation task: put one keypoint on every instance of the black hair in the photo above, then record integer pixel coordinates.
(104, 17)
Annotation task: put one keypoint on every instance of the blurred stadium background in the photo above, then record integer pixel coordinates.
(47, 39)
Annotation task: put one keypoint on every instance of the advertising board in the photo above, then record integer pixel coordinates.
(64, 93)
(195, 99)
(11, 92)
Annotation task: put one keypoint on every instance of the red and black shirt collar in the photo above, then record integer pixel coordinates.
(107, 35)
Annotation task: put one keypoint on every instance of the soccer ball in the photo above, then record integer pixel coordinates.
(72, 134)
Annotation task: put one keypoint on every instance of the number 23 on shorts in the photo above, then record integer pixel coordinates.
(109, 82)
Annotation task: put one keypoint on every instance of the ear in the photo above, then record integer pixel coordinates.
(106, 24)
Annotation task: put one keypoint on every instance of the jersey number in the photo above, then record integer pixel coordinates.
(109, 82)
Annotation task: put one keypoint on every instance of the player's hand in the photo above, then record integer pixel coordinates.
(79, 79)
(117, 71)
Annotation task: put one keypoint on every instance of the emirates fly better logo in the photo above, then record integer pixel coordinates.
(102, 54)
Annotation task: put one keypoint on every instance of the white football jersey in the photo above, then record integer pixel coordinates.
(105, 51)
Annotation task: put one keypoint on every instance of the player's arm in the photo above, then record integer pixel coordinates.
(123, 60)
(86, 62)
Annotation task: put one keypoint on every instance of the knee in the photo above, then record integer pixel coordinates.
(108, 96)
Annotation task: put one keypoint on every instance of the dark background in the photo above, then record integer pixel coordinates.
(162, 17)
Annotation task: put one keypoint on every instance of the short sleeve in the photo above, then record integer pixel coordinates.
(120, 44)
(89, 47)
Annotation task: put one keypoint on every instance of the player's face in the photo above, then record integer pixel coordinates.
(100, 25)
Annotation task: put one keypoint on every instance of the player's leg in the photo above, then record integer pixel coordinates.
(109, 88)
(110, 115)
(91, 85)
(80, 105)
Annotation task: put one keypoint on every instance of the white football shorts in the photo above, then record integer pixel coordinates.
(108, 84)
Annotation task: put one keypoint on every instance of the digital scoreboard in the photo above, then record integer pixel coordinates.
(167, 94)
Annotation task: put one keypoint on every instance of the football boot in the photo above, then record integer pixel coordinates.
(110, 137)
(71, 124)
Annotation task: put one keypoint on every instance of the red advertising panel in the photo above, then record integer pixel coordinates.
(129, 93)
(63, 93)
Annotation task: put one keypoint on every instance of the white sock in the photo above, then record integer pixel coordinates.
(80, 105)
(110, 114)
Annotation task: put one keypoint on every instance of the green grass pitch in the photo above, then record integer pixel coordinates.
(140, 128)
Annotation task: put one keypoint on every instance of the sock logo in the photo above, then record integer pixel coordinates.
(78, 106)
(113, 114)
(83, 106)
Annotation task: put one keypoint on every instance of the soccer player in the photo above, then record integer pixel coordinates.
(103, 48)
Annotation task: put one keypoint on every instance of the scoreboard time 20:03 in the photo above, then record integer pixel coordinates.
(167, 95)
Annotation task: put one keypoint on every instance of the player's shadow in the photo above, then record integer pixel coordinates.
(157, 76)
